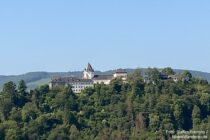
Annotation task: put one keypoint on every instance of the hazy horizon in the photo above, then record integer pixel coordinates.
(100, 70)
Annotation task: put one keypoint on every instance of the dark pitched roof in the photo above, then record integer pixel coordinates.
(69, 80)
(103, 77)
(121, 71)
(89, 68)
(163, 76)
(173, 76)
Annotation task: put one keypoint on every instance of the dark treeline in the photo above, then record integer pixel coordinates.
(120, 111)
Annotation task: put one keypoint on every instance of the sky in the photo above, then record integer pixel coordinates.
(64, 35)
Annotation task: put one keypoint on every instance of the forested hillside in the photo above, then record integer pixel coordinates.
(132, 110)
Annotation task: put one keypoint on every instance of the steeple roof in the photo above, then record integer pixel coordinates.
(89, 68)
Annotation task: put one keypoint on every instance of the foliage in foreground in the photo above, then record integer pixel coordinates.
(119, 111)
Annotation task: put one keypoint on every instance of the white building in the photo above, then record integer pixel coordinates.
(88, 80)
(121, 73)
(106, 79)
(77, 84)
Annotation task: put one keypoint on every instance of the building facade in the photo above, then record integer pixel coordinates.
(88, 80)
(77, 84)
(105, 79)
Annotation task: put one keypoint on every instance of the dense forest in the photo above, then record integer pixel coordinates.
(132, 110)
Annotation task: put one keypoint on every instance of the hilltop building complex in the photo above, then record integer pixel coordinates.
(88, 80)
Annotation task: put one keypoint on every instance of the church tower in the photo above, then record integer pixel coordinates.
(88, 72)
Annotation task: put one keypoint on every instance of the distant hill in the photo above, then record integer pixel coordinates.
(35, 79)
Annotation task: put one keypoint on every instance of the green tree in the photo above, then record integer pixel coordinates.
(129, 109)
(205, 102)
(6, 105)
(15, 115)
(44, 89)
(136, 82)
(196, 116)
(116, 85)
(154, 122)
(22, 94)
(179, 114)
(74, 133)
(22, 87)
(168, 71)
(11, 131)
(59, 133)
(186, 76)
(9, 88)
(29, 112)
(153, 74)
(9, 91)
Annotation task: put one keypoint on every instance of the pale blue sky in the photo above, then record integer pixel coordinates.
(63, 35)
